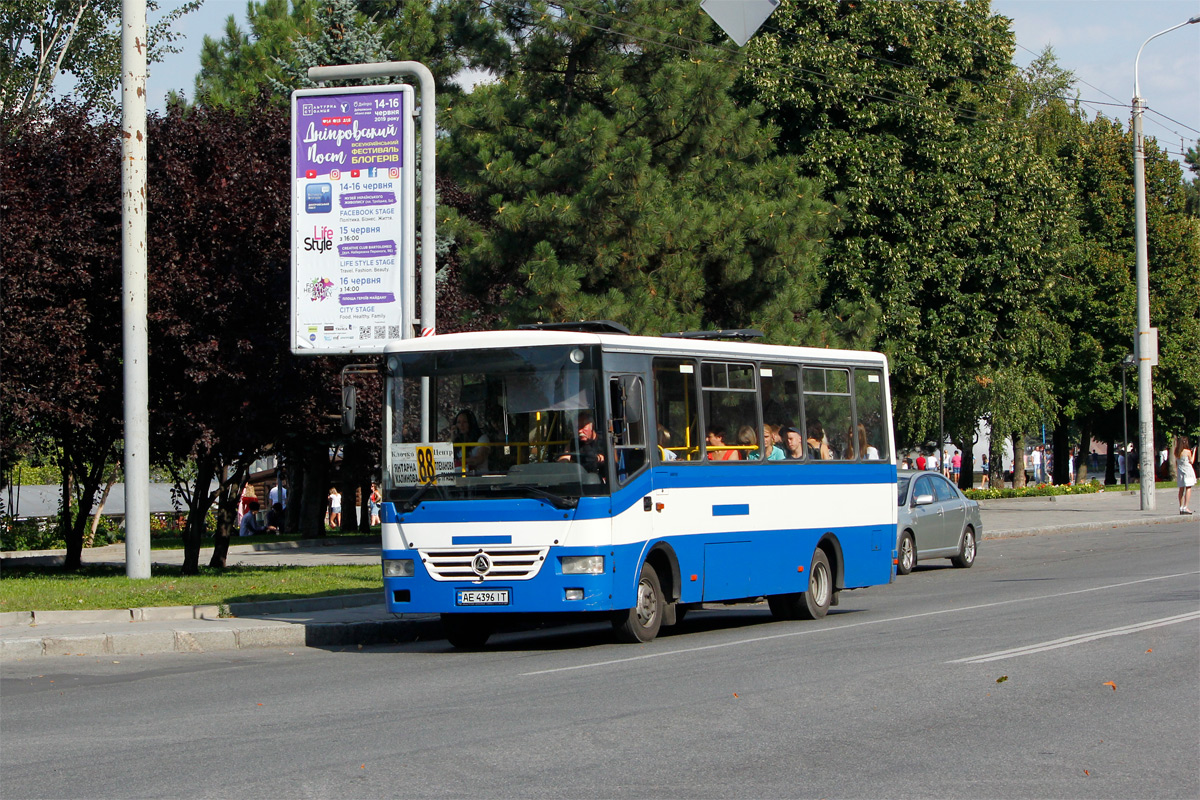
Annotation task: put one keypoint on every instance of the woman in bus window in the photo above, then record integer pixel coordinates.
(818, 447)
(717, 449)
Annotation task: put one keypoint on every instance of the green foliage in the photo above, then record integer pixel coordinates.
(625, 183)
(41, 40)
(40, 533)
(285, 38)
(951, 219)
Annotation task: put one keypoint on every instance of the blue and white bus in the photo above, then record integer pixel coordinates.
(577, 469)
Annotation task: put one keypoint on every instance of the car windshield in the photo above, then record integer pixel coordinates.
(517, 422)
(902, 489)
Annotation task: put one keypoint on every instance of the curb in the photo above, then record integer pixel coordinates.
(210, 612)
(1078, 527)
(232, 637)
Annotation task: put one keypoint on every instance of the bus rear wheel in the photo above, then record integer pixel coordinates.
(466, 631)
(641, 623)
(811, 604)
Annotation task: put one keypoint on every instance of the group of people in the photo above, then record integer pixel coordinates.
(249, 507)
(783, 442)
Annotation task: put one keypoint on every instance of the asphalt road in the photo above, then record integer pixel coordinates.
(993, 682)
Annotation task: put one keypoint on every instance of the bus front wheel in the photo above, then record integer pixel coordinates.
(641, 623)
(466, 631)
(811, 604)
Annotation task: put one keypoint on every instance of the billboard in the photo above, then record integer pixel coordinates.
(353, 225)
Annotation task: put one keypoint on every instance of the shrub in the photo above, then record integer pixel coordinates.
(1041, 490)
(39, 533)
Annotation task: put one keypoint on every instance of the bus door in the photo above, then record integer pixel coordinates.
(629, 445)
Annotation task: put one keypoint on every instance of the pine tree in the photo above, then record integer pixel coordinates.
(618, 178)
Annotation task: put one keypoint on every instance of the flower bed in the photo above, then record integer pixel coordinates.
(1040, 490)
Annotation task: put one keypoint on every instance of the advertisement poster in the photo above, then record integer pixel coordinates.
(353, 228)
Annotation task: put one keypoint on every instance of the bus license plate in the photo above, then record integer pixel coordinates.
(482, 597)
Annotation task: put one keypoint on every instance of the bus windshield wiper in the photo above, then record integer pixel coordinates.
(411, 503)
(558, 501)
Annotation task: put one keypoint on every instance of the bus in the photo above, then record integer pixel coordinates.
(579, 471)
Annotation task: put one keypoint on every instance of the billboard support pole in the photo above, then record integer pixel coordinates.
(428, 185)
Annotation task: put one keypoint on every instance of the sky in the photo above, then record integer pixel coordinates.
(1096, 39)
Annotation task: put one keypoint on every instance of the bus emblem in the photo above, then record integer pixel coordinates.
(481, 564)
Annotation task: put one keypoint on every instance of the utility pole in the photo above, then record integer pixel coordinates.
(135, 347)
(1146, 340)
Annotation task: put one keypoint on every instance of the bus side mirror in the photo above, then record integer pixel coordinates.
(349, 403)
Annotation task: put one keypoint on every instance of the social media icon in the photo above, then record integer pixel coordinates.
(335, 174)
(310, 173)
(393, 172)
(354, 173)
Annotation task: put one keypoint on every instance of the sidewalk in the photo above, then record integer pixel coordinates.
(363, 619)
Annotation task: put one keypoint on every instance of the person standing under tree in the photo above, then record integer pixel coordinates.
(1185, 472)
(334, 520)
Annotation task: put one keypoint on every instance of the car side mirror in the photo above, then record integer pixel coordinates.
(923, 500)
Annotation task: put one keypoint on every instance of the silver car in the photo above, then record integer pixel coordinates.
(935, 520)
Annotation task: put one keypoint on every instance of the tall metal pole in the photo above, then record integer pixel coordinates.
(133, 288)
(1124, 428)
(428, 186)
(1146, 342)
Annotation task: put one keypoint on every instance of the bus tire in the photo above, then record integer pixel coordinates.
(466, 631)
(907, 554)
(810, 604)
(641, 623)
(966, 552)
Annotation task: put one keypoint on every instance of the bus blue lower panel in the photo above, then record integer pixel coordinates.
(712, 567)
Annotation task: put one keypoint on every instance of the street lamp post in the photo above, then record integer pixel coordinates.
(1126, 363)
(1147, 345)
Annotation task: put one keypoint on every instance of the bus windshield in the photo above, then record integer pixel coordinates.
(516, 422)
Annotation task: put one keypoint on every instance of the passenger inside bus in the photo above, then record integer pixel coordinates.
(818, 447)
(718, 450)
(588, 453)
(793, 442)
(467, 432)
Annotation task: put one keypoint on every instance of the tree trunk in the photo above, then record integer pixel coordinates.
(1061, 442)
(316, 485)
(995, 460)
(226, 517)
(74, 557)
(196, 526)
(90, 539)
(227, 505)
(1085, 454)
(966, 476)
(1110, 465)
(1018, 441)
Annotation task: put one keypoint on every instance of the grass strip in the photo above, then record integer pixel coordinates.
(41, 588)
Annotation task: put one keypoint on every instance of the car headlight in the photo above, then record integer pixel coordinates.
(582, 565)
(398, 568)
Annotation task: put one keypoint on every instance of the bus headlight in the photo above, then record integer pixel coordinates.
(582, 565)
(398, 568)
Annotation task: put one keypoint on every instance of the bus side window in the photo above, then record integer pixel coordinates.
(677, 410)
(628, 406)
(868, 406)
(827, 413)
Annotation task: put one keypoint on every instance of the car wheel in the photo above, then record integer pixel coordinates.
(641, 623)
(466, 631)
(966, 553)
(811, 604)
(908, 554)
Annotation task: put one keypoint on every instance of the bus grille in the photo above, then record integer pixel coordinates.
(513, 564)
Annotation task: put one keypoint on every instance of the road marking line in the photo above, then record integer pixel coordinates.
(828, 629)
(1079, 639)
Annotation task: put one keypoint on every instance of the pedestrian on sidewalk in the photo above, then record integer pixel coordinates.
(985, 478)
(334, 519)
(1185, 472)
